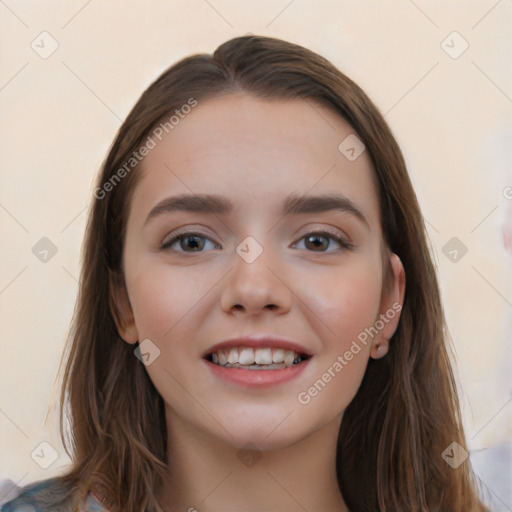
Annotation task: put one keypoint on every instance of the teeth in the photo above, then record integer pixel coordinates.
(233, 356)
(289, 356)
(278, 356)
(263, 356)
(246, 356)
(222, 357)
(240, 357)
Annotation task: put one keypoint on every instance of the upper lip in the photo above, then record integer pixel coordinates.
(260, 341)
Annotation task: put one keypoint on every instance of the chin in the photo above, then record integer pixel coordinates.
(263, 436)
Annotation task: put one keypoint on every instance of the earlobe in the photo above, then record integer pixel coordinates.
(121, 309)
(392, 300)
(379, 350)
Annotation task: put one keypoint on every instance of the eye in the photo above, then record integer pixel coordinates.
(321, 240)
(189, 240)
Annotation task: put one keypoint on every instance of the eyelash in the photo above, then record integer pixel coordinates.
(345, 245)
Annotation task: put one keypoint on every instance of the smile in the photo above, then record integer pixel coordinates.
(256, 368)
(263, 358)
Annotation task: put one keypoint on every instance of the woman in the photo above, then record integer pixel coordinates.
(244, 337)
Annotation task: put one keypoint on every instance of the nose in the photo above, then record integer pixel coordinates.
(252, 287)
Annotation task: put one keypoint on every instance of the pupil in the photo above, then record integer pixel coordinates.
(194, 244)
(315, 239)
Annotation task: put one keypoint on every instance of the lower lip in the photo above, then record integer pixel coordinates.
(257, 378)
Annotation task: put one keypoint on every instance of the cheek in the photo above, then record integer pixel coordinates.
(162, 297)
(342, 311)
(345, 304)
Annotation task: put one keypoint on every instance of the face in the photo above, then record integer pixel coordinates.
(311, 274)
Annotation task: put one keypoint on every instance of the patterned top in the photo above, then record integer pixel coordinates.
(50, 495)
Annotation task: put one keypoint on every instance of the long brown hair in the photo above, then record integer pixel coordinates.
(406, 412)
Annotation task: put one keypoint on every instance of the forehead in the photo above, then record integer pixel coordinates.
(255, 152)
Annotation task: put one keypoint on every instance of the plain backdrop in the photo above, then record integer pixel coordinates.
(70, 72)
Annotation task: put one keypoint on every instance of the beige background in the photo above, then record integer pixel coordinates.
(59, 115)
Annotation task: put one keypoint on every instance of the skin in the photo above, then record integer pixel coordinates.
(254, 152)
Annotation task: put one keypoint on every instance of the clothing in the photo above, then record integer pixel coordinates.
(50, 496)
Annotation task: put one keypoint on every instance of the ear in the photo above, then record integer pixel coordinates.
(121, 309)
(392, 300)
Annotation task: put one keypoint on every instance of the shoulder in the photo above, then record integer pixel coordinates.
(52, 495)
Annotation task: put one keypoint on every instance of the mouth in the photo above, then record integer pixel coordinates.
(262, 358)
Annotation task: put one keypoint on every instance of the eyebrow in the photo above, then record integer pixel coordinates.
(292, 205)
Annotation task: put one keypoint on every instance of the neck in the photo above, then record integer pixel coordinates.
(207, 475)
